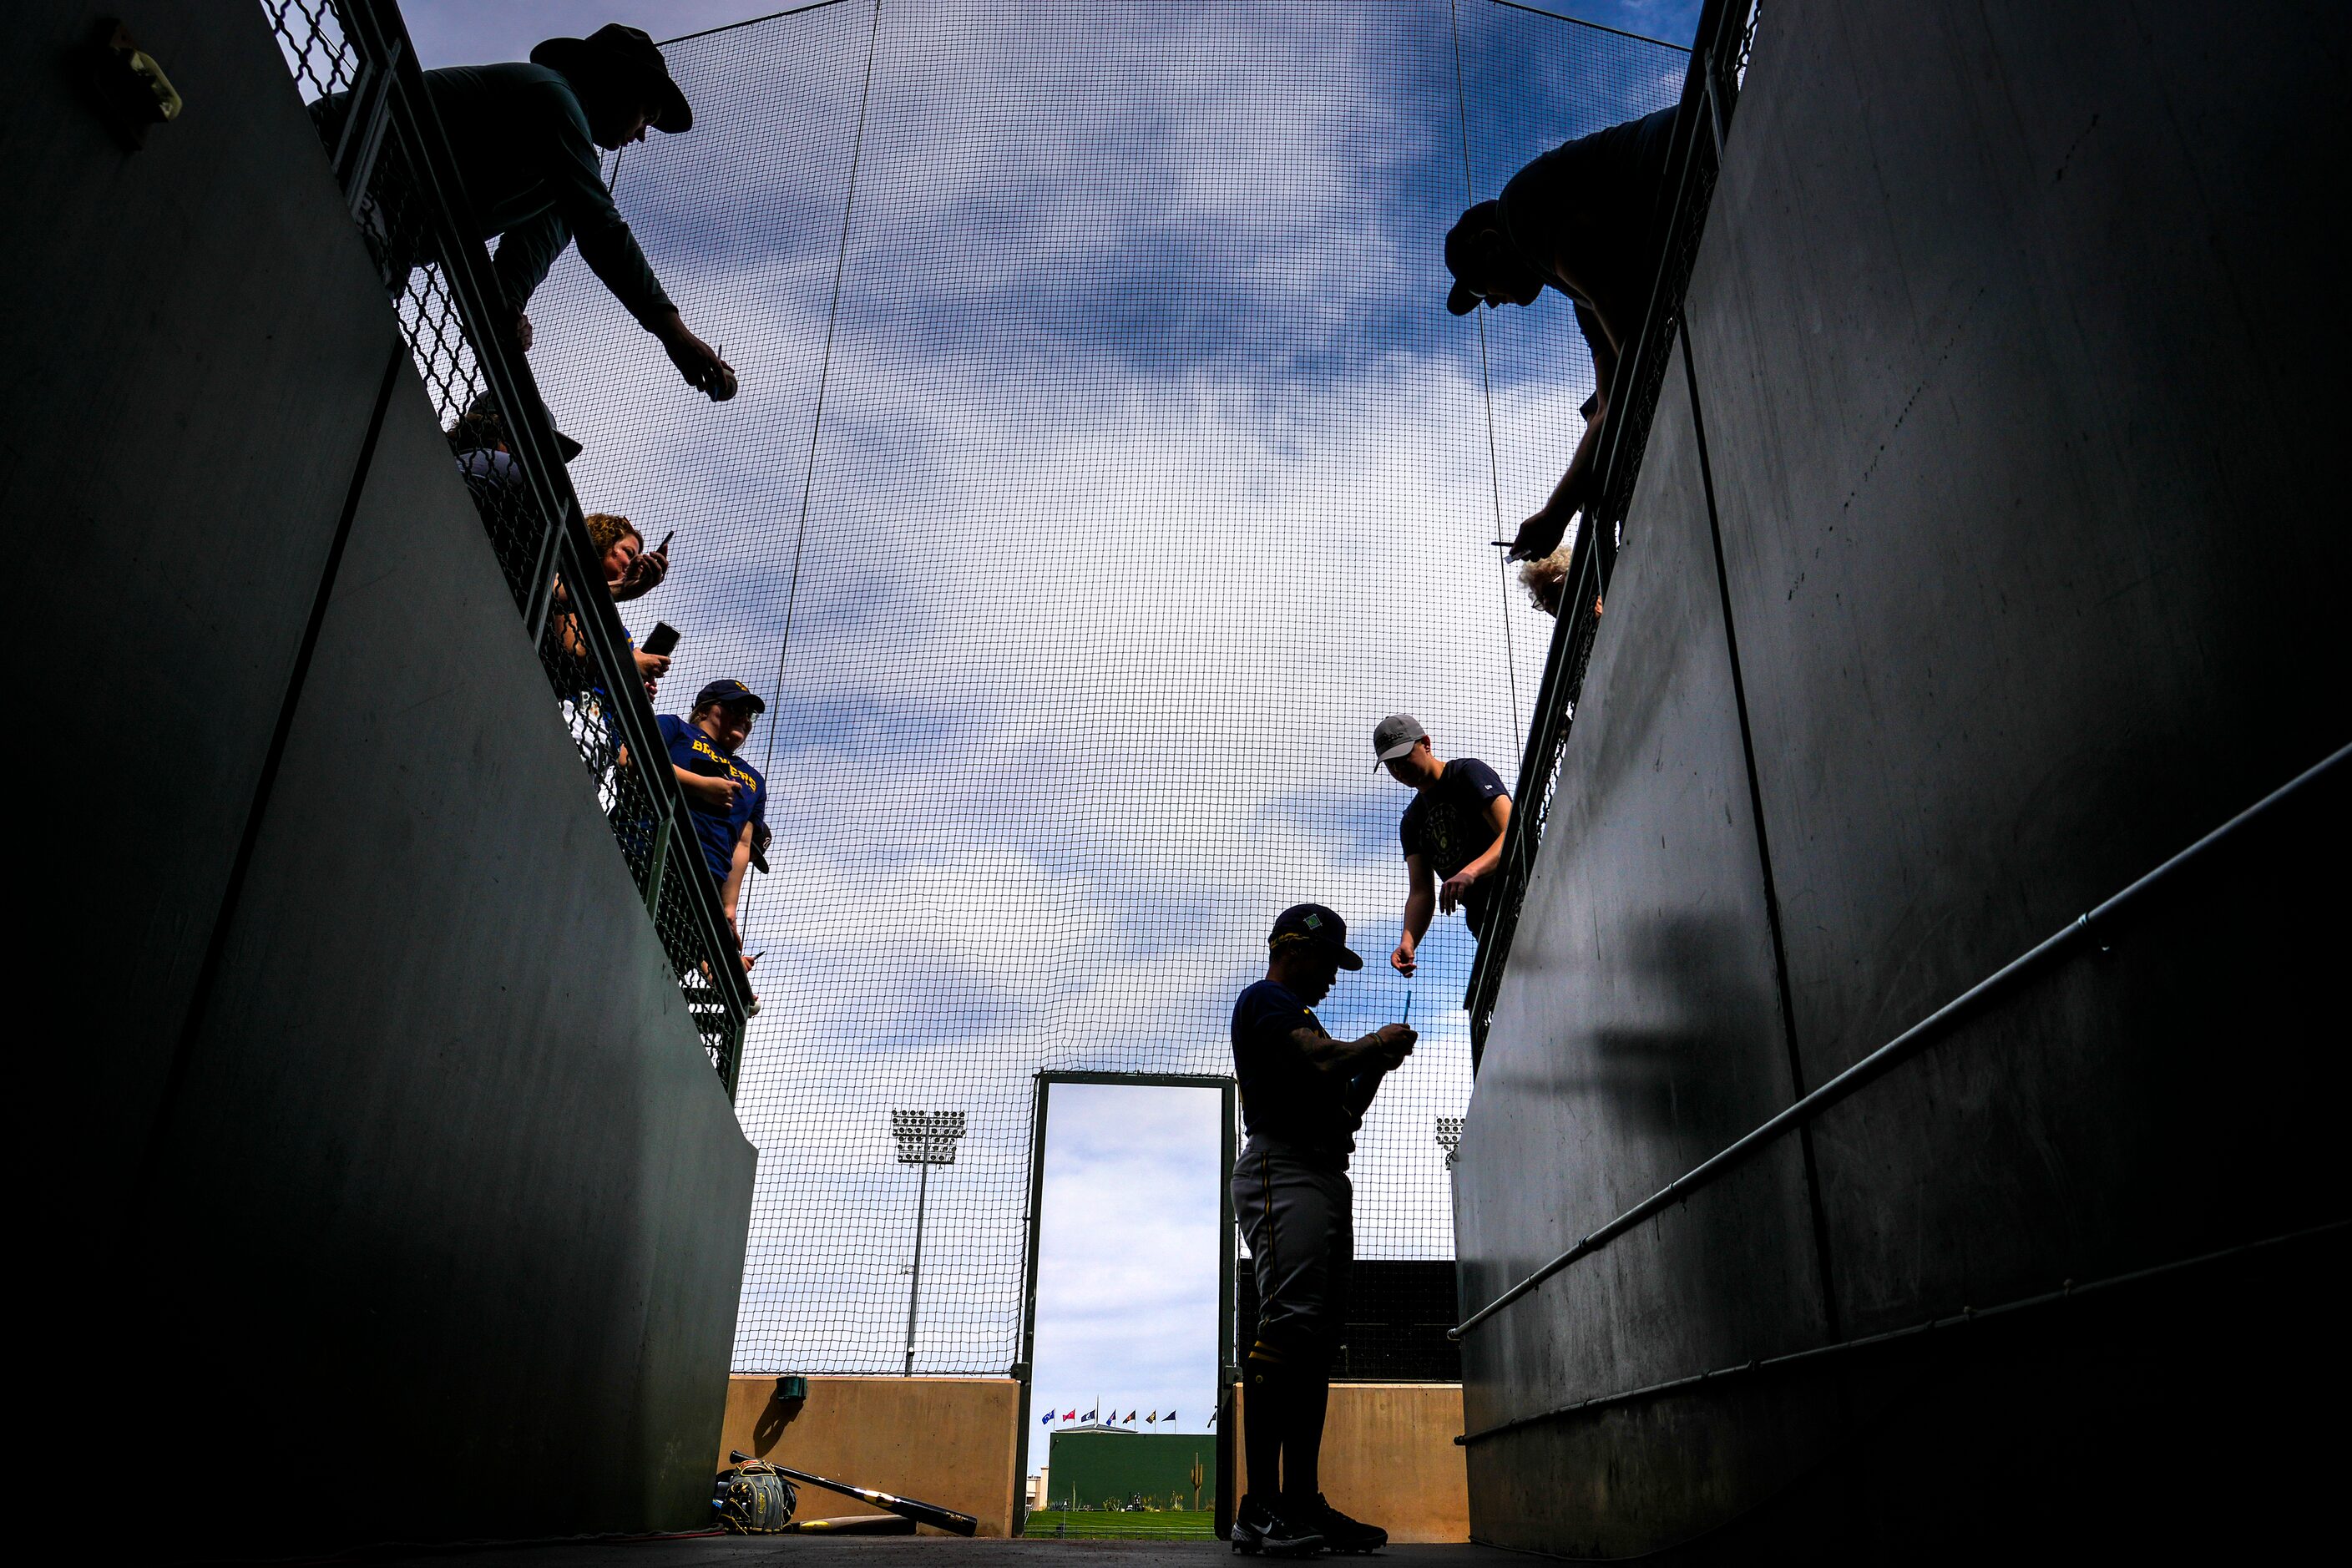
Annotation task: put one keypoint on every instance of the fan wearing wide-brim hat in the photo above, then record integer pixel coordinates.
(622, 62)
(529, 142)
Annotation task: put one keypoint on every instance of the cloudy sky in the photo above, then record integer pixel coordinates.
(1150, 473)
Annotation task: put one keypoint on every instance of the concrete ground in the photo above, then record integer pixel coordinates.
(931, 1552)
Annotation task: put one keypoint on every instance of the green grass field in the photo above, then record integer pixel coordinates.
(1046, 1524)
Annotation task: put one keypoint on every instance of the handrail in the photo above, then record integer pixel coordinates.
(1966, 1317)
(684, 909)
(1904, 1045)
(1710, 88)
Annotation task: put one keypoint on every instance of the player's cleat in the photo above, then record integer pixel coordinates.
(1340, 1532)
(1259, 1528)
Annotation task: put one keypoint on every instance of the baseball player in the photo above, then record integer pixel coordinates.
(1303, 1096)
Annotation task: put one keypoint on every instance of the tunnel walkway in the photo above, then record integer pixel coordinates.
(933, 1551)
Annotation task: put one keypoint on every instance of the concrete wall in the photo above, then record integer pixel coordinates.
(195, 347)
(386, 1143)
(1390, 1458)
(2016, 346)
(950, 1440)
(1388, 1453)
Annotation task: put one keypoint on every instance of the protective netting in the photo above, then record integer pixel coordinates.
(1150, 473)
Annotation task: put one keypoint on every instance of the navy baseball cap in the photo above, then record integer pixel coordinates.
(1318, 925)
(1463, 298)
(728, 691)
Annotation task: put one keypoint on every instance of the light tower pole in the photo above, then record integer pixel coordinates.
(926, 1138)
(1449, 1138)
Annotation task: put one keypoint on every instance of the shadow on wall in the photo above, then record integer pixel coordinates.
(948, 1440)
(789, 1398)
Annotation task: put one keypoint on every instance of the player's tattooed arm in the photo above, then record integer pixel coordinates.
(1379, 1051)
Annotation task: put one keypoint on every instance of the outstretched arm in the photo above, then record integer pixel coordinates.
(1542, 534)
(1420, 906)
(731, 892)
(1457, 886)
(583, 209)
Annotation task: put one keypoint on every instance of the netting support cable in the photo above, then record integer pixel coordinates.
(824, 377)
(771, 17)
(1596, 26)
(1486, 389)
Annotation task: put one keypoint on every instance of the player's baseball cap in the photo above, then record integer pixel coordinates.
(1318, 925)
(1464, 298)
(728, 691)
(1395, 735)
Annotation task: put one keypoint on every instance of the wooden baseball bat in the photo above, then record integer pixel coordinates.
(929, 1513)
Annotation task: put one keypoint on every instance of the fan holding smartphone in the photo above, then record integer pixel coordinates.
(653, 654)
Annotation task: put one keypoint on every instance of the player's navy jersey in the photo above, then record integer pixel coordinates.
(1284, 1099)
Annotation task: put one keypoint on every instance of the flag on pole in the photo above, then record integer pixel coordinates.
(1151, 1419)
(1131, 1419)
(1069, 1415)
(1095, 1414)
(1171, 1416)
(1213, 1418)
(1046, 1419)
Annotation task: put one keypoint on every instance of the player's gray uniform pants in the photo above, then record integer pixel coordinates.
(1297, 1212)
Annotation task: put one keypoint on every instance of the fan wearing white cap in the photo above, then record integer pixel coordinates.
(1453, 832)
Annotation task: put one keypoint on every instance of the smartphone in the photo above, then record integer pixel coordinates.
(661, 640)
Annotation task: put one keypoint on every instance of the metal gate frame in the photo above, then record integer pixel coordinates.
(1228, 1371)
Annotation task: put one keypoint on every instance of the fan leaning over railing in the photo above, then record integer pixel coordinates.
(525, 143)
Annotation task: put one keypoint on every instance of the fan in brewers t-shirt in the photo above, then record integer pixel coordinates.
(725, 794)
(1453, 832)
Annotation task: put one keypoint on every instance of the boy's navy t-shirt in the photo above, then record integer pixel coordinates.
(1446, 825)
(1284, 1099)
(696, 752)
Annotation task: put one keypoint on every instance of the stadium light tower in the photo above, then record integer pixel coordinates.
(926, 1138)
(1449, 1138)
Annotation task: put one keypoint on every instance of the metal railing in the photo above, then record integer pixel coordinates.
(1710, 91)
(2070, 938)
(353, 61)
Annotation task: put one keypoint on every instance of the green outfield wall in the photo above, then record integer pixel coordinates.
(1094, 1470)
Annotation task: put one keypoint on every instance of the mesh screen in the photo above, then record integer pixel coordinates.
(1105, 466)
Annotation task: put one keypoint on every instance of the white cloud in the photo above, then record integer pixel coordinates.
(1150, 477)
(1128, 1258)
